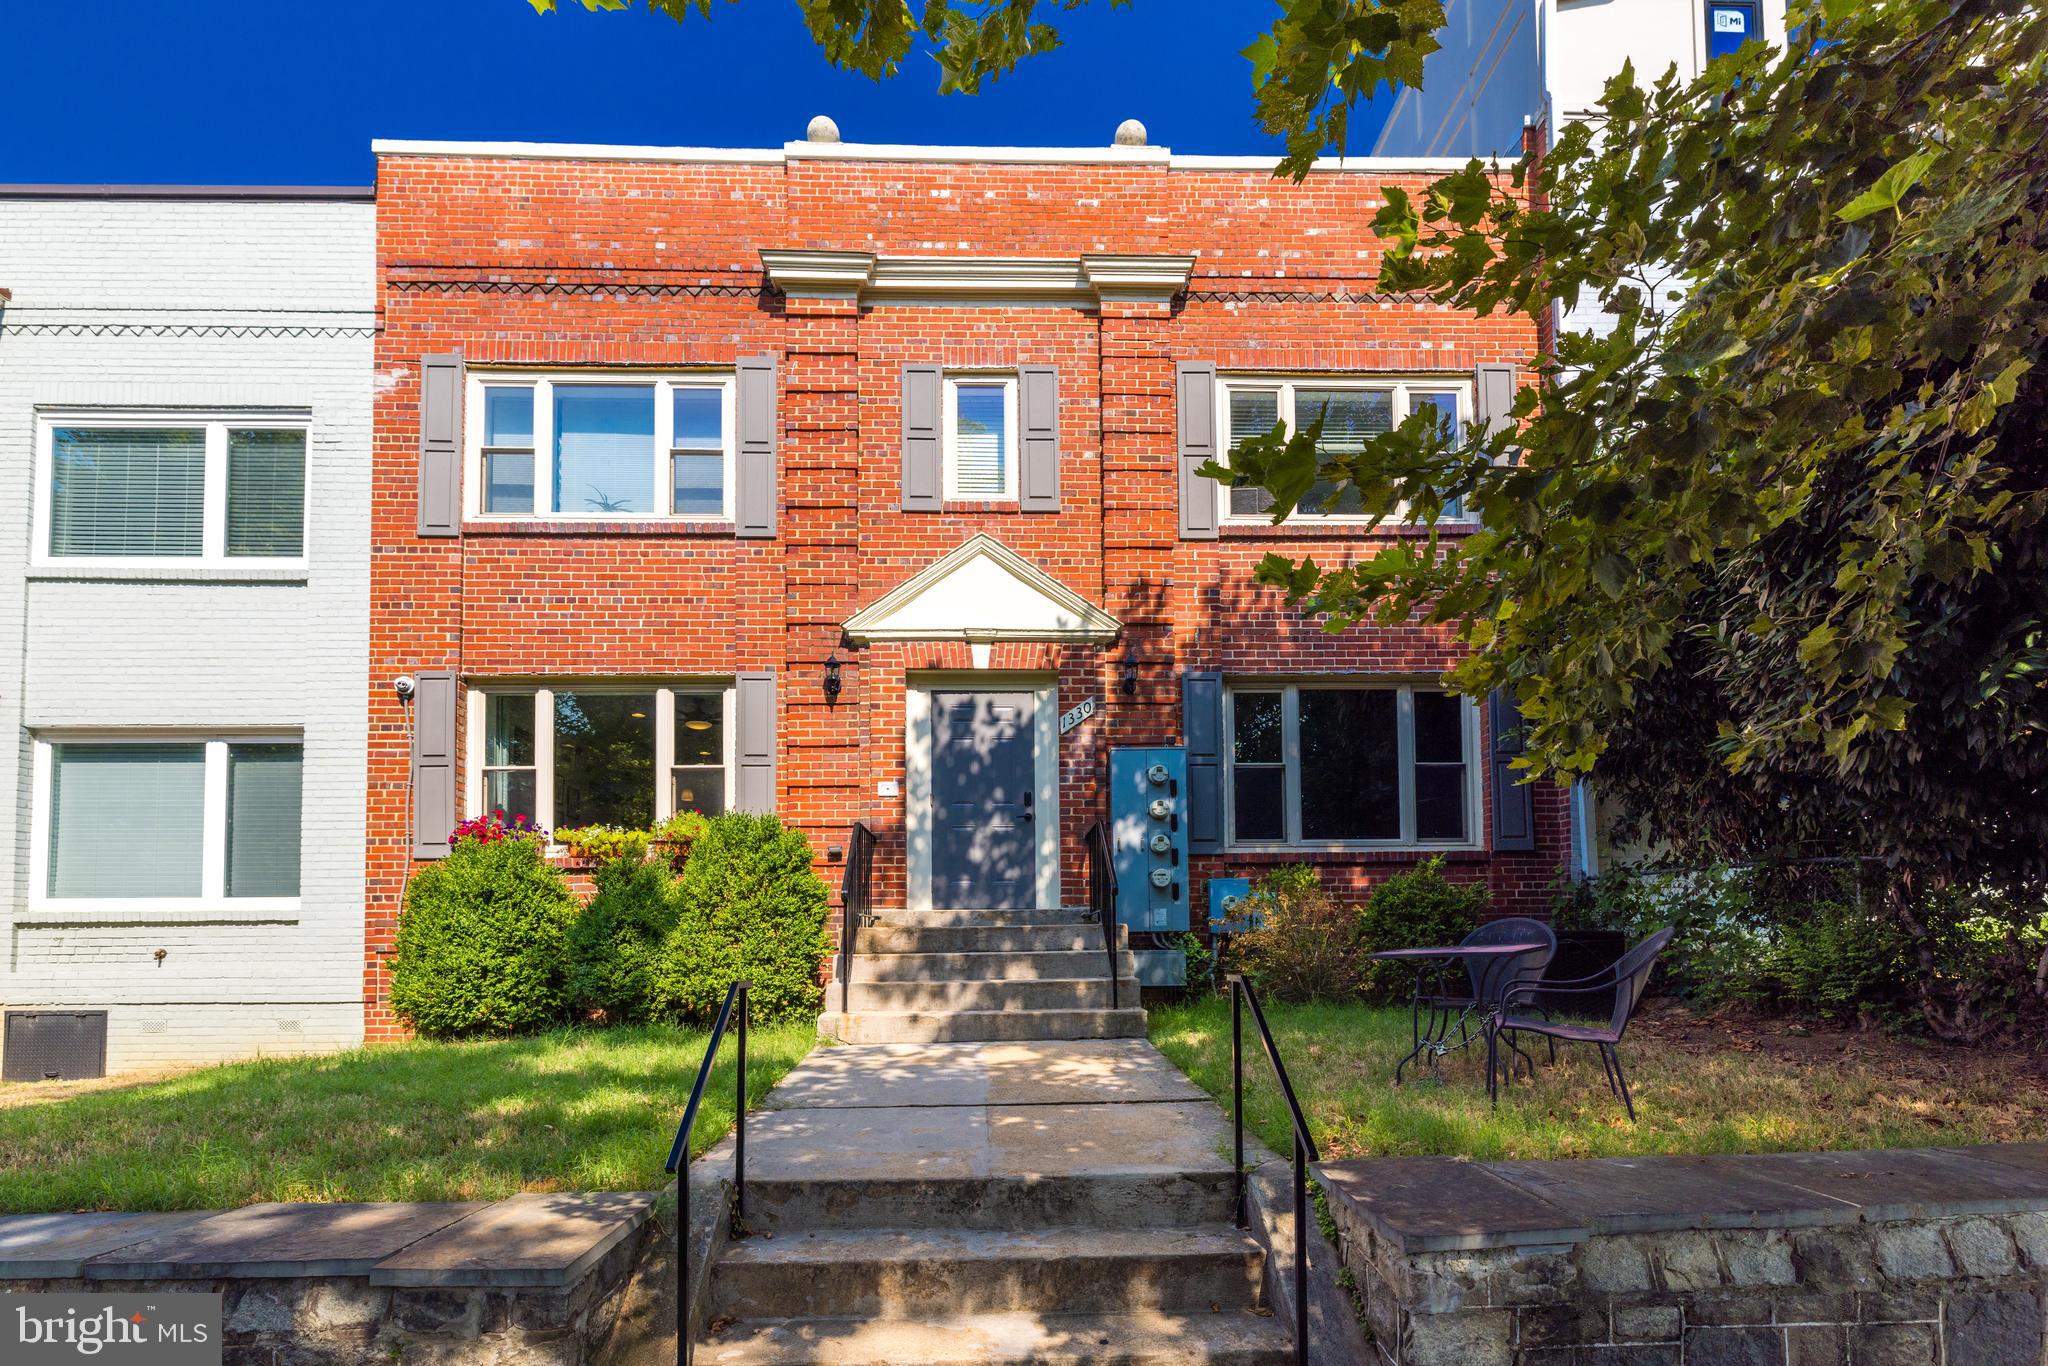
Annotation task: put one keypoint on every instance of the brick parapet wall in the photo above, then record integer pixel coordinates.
(542, 263)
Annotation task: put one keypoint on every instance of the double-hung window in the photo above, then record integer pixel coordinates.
(1335, 763)
(1350, 410)
(980, 438)
(151, 489)
(601, 446)
(176, 821)
(573, 754)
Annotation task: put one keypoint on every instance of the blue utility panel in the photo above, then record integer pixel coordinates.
(1227, 911)
(1148, 811)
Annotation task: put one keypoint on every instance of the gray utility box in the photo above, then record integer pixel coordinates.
(1148, 811)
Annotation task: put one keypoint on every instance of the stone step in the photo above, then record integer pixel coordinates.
(1151, 1339)
(1054, 915)
(1054, 993)
(1125, 1200)
(981, 967)
(911, 1273)
(984, 1026)
(887, 938)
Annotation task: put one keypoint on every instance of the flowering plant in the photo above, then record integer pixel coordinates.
(497, 826)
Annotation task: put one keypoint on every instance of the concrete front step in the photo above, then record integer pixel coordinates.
(1150, 1339)
(1052, 915)
(1114, 1200)
(910, 1273)
(1055, 993)
(887, 938)
(1009, 967)
(978, 1026)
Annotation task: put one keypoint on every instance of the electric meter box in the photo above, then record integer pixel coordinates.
(1148, 809)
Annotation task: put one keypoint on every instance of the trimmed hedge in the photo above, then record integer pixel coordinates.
(482, 941)
(1411, 909)
(749, 906)
(615, 946)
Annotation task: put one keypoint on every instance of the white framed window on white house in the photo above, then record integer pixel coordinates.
(1351, 409)
(168, 819)
(155, 489)
(570, 754)
(600, 446)
(981, 437)
(1342, 763)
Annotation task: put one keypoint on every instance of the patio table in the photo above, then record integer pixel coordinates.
(1434, 1041)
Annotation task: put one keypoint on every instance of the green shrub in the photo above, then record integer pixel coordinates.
(1839, 962)
(749, 906)
(616, 944)
(1306, 946)
(1414, 909)
(481, 941)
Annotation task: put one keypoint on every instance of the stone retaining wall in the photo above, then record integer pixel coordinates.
(1694, 1261)
(535, 1280)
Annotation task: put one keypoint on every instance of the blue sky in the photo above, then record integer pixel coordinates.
(292, 91)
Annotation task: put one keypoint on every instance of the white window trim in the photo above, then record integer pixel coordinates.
(215, 423)
(1290, 690)
(952, 435)
(213, 895)
(662, 451)
(1285, 386)
(543, 696)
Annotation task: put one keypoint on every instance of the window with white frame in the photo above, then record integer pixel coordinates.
(980, 437)
(168, 818)
(575, 754)
(1351, 410)
(601, 446)
(146, 488)
(1328, 763)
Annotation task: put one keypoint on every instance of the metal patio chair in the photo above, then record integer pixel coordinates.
(1624, 980)
(1488, 981)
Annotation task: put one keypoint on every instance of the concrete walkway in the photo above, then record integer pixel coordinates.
(1043, 1201)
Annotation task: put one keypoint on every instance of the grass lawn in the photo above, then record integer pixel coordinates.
(581, 1109)
(1702, 1085)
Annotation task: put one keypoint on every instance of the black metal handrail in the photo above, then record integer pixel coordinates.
(1102, 897)
(1304, 1146)
(855, 905)
(679, 1156)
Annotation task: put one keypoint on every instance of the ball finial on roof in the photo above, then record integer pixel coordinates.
(822, 129)
(1130, 133)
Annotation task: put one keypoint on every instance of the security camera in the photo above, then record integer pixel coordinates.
(404, 686)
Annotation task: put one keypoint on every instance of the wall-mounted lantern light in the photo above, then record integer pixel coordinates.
(1128, 683)
(833, 683)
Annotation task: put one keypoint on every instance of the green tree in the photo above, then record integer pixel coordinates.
(1769, 545)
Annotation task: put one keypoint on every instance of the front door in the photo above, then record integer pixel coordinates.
(984, 845)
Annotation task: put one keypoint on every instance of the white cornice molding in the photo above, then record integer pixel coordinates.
(1082, 281)
(1138, 157)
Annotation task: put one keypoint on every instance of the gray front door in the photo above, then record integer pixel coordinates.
(983, 841)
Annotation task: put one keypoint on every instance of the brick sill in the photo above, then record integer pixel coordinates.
(1343, 531)
(1325, 855)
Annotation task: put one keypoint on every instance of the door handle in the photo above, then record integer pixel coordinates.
(1027, 808)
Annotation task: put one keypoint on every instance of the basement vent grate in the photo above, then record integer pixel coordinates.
(155, 1026)
(54, 1045)
(291, 1026)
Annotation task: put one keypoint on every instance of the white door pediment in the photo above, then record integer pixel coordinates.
(983, 591)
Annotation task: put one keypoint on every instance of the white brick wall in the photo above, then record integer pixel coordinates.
(215, 304)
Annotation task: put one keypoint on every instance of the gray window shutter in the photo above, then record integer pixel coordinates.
(1514, 803)
(433, 762)
(754, 745)
(1493, 402)
(754, 497)
(1195, 401)
(441, 445)
(1038, 461)
(1201, 702)
(924, 473)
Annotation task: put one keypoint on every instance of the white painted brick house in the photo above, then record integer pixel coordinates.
(185, 384)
